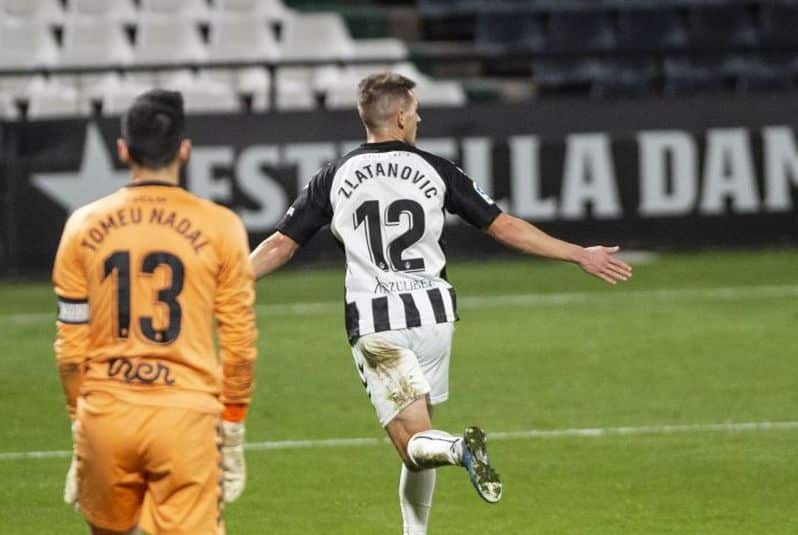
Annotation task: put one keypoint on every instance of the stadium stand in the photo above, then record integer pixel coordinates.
(597, 48)
(499, 32)
(651, 29)
(778, 23)
(105, 50)
(25, 43)
(634, 46)
(686, 75)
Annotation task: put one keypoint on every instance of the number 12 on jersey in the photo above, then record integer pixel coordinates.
(368, 215)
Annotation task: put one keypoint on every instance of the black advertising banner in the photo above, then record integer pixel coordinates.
(649, 174)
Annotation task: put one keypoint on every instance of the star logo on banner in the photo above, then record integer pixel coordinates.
(96, 178)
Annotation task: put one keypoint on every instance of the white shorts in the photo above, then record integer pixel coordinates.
(399, 367)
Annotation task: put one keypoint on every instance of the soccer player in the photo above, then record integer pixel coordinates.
(140, 276)
(385, 202)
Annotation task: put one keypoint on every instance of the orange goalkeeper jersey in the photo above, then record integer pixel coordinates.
(140, 276)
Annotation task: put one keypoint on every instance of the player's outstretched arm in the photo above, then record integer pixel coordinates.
(272, 253)
(598, 261)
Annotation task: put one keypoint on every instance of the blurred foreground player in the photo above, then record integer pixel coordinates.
(385, 203)
(140, 276)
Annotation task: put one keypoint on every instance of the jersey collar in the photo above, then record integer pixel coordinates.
(140, 183)
(393, 144)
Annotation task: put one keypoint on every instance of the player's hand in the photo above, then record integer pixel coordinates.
(234, 468)
(71, 484)
(601, 262)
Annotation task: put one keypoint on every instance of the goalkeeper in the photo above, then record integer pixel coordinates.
(140, 275)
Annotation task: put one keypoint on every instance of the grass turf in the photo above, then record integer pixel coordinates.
(614, 357)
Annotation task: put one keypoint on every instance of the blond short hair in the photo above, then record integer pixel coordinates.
(377, 97)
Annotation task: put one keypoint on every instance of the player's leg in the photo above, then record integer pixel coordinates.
(184, 493)
(433, 345)
(110, 483)
(398, 391)
(415, 499)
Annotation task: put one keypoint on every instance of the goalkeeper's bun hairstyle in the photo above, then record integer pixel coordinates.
(153, 128)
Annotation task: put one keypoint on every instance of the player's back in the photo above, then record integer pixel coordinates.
(152, 256)
(386, 202)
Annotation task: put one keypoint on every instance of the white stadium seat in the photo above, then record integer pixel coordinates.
(341, 96)
(204, 95)
(440, 93)
(270, 10)
(7, 108)
(317, 36)
(294, 95)
(239, 37)
(165, 39)
(92, 40)
(235, 37)
(50, 99)
(121, 10)
(116, 95)
(50, 11)
(24, 44)
(387, 48)
(196, 10)
(88, 41)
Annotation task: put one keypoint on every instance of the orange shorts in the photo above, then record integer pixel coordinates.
(170, 455)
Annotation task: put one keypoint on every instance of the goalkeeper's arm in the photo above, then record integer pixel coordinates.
(235, 315)
(72, 331)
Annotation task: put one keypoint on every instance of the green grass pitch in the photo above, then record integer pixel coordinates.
(663, 349)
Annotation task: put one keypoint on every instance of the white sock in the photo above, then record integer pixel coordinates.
(433, 448)
(415, 499)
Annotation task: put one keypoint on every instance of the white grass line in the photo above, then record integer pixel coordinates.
(644, 430)
(531, 434)
(544, 299)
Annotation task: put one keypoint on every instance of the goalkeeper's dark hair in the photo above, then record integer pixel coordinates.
(153, 128)
(378, 95)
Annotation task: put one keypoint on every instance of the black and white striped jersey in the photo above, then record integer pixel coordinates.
(386, 203)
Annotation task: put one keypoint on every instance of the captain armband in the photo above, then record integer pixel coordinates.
(73, 311)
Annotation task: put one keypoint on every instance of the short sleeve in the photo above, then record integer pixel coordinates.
(465, 198)
(311, 210)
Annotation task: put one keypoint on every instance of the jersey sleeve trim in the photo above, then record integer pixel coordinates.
(464, 196)
(311, 210)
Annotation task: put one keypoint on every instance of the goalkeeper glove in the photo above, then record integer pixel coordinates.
(71, 484)
(234, 470)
